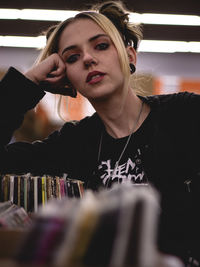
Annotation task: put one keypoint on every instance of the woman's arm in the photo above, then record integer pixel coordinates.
(20, 93)
(17, 95)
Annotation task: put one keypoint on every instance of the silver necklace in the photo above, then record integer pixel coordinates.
(125, 146)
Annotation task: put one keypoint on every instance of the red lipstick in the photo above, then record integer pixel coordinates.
(94, 77)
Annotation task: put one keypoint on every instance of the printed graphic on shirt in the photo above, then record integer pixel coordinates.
(130, 170)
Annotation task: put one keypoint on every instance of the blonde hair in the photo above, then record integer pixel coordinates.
(112, 17)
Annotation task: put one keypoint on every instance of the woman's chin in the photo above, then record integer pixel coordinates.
(99, 97)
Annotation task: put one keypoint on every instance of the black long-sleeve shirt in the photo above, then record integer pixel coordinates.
(170, 159)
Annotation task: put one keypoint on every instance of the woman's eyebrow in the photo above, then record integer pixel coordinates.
(68, 48)
(90, 40)
(97, 36)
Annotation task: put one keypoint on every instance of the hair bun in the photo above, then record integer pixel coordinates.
(115, 9)
(116, 13)
(119, 16)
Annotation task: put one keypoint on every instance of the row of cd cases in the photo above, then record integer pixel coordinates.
(30, 192)
(112, 227)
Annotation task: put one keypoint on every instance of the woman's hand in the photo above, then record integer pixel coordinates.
(51, 74)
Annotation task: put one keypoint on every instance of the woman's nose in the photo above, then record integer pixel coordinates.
(89, 59)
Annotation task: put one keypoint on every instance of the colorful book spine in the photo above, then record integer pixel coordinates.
(31, 191)
(35, 179)
(43, 190)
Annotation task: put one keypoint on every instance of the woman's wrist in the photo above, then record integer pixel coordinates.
(29, 75)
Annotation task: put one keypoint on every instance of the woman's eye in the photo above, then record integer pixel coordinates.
(102, 46)
(72, 58)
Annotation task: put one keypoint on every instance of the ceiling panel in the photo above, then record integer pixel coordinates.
(158, 6)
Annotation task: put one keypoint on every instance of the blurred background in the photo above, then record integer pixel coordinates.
(168, 57)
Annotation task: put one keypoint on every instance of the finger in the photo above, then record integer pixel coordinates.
(56, 80)
(58, 72)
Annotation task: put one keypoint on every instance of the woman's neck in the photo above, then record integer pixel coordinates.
(122, 116)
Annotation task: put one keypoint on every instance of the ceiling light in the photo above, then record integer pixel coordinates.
(60, 15)
(154, 46)
(21, 41)
(168, 46)
(165, 19)
(36, 14)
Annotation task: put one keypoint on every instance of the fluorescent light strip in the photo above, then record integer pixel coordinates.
(145, 45)
(165, 19)
(20, 41)
(36, 14)
(155, 46)
(60, 15)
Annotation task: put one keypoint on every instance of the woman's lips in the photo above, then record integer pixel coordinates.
(95, 77)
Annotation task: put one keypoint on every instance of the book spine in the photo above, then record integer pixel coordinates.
(31, 195)
(18, 190)
(39, 191)
(15, 190)
(43, 191)
(62, 188)
(49, 188)
(5, 187)
(12, 188)
(25, 194)
(22, 191)
(35, 179)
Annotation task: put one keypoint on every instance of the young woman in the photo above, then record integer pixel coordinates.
(144, 140)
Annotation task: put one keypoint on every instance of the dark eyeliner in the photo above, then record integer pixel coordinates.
(102, 46)
(72, 59)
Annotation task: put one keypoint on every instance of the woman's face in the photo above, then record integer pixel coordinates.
(92, 63)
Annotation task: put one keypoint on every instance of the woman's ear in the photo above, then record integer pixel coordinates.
(132, 56)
